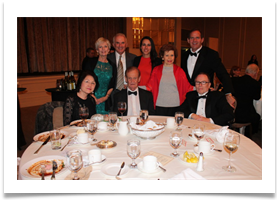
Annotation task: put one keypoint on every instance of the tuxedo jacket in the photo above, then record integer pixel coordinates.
(216, 107)
(246, 89)
(145, 98)
(208, 62)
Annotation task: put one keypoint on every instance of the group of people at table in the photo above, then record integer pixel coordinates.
(154, 83)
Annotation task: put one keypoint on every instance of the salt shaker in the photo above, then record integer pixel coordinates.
(200, 163)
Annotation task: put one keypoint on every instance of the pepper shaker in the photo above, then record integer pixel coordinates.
(200, 163)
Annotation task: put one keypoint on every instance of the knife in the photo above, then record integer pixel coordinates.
(46, 141)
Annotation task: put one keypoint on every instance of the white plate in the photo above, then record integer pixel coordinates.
(189, 151)
(25, 167)
(112, 169)
(86, 160)
(79, 120)
(140, 167)
(192, 138)
(36, 137)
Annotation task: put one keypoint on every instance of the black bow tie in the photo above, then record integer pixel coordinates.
(134, 93)
(202, 97)
(193, 54)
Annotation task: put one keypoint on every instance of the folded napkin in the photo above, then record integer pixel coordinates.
(187, 174)
(219, 134)
(149, 125)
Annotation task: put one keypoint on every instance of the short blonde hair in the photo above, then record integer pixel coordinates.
(101, 40)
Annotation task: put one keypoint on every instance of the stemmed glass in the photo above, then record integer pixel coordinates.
(179, 116)
(231, 143)
(133, 151)
(143, 115)
(113, 119)
(83, 113)
(175, 142)
(198, 131)
(74, 160)
(121, 108)
(91, 127)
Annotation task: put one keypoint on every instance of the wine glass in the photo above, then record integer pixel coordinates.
(74, 161)
(175, 142)
(198, 131)
(179, 116)
(133, 151)
(143, 115)
(113, 119)
(83, 113)
(231, 142)
(121, 107)
(92, 128)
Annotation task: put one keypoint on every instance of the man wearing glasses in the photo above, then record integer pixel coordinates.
(206, 105)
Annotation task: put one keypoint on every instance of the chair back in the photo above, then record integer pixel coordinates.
(49, 116)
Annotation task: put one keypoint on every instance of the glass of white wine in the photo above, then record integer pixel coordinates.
(179, 116)
(231, 143)
(175, 142)
(113, 119)
(198, 131)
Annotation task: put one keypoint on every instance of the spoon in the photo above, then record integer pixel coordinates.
(67, 143)
(159, 165)
(121, 167)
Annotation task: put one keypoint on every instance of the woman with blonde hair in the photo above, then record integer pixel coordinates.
(106, 73)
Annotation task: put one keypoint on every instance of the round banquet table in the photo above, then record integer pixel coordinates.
(247, 159)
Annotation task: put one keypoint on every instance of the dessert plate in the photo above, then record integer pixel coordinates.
(196, 150)
(112, 169)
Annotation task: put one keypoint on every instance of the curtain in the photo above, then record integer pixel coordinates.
(59, 44)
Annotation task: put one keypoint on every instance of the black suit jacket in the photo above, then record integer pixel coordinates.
(208, 62)
(246, 90)
(145, 98)
(129, 59)
(216, 107)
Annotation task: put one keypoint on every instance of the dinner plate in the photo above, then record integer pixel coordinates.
(112, 169)
(24, 168)
(140, 167)
(36, 137)
(78, 122)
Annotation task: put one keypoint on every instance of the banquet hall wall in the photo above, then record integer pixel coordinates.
(236, 39)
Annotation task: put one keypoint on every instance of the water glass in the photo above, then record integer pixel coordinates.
(133, 151)
(175, 142)
(55, 139)
(74, 161)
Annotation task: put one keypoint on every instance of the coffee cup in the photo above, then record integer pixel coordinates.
(102, 126)
(170, 122)
(94, 155)
(206, 147)
(82, 138)
(150, 163)
(55, 139)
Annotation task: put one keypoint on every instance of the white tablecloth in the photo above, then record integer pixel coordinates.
(247, 160)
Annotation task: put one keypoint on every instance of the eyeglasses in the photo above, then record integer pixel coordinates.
(201, 82)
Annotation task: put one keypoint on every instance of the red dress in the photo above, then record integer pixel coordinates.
(183, 86)
(145, 68)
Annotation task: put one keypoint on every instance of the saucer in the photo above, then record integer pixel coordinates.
(196, 150)
(140, 167)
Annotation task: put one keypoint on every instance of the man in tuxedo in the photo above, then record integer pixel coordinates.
(247, 89)
(121, 59)
(136, 98)
(203, 59)
(206, 105)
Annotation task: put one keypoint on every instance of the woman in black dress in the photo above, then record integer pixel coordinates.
(87, 83)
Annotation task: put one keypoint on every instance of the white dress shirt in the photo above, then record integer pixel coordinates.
(191, 62)
(123, 59)
(201, 108)
(133, 103)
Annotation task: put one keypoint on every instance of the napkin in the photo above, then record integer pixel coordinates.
(147, 126)
(219, 134)
(187, 174)
(84, 173)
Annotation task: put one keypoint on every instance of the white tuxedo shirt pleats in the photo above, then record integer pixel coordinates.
(133, 103)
